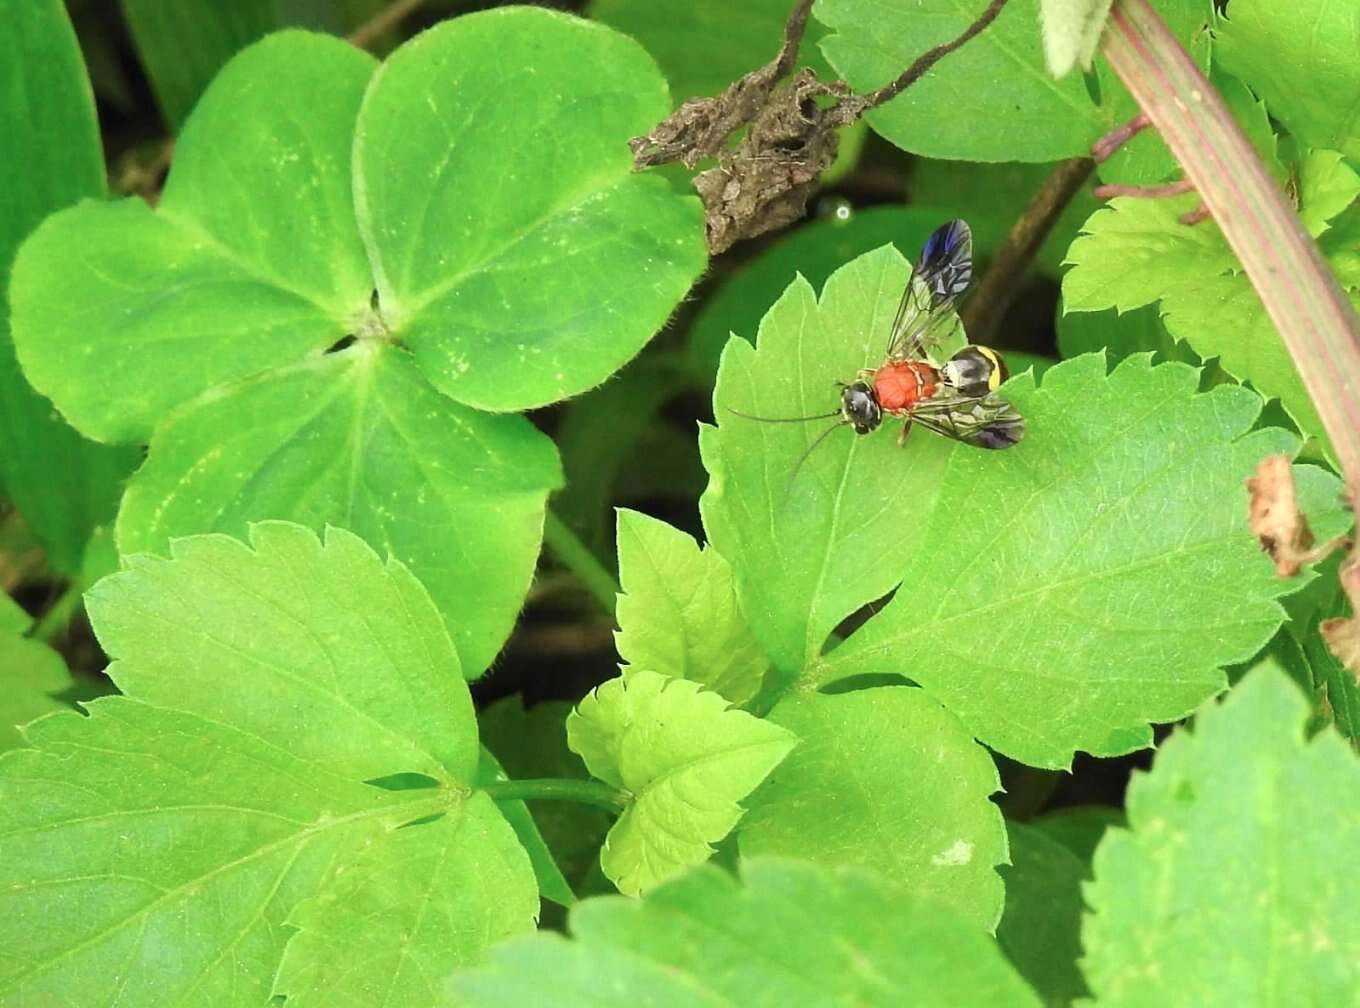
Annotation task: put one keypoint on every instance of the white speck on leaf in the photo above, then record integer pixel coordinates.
(960, 852)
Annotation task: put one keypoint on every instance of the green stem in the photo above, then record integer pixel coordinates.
(587, 792)
(58, 615)
(577, 558)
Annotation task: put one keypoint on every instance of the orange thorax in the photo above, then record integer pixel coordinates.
(901, 385)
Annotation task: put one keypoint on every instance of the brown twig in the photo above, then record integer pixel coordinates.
(993, 295)
(382, 22)
(793, 38)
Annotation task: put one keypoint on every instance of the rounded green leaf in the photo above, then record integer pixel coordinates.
(1234, 883)
(789, 933)
(358, 439)
(888, 780)
(32, 676)
(686, 759)
(515, 251)
(253, 259)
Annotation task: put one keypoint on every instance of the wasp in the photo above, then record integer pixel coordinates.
(957, 398)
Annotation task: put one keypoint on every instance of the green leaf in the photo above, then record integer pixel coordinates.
(358, 438)
(252, 258)
(788, 934)
(552, 885)
(1253, 824)
(390, 924)
(1040, 927)
(32, 676)
(1079, 828)
(531, 282)
(678, 613)
(1072, 30)
(182, 44)
(264, 686)
(810, 551)
(702, 46)
(886, 779)
(1093, 578)
(1301, 59)
(532, 744)
(1327, 187)
(61, 483)
(1135, 252)
(687, 760)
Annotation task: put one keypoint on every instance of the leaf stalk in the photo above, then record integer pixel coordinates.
(586, 792)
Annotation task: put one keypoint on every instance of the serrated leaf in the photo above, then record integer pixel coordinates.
(887, 780)
(520, 286)
(1327, 187)
(678, 613)
(1093, 578)
(1252, 825)
(1301, 59)
(32, 676)
(788, 934)
(63, 484)
(416, 900)
(686, 758)
(182, 43)
(359, 439)
(286, 675)
(1040, 927)
(1072, 30)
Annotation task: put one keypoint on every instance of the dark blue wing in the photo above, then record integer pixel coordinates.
(946, 263)
(926, 313)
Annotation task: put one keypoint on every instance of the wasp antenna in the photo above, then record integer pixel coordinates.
(808, 451)
(794, 419)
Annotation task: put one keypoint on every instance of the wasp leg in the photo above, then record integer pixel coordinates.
(906, 429)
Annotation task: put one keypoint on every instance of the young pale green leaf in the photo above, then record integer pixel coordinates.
(527, 261)
(1233, 884)
(703, 46)
(1135, 252)
(1040, 929)
(810, 548)
(1299, 57)
(687, 760)
(252, 259)
(388, 926)
(532, 743)
(789, 933)
(1072, 31)
(886, 779)
(1093, 578)
(287, 675)
(31, 676)
(359, 439)
(62, 484)
(678, 613)
(182, 43)
(552, 885)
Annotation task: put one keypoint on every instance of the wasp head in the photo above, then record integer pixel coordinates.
(859, 407)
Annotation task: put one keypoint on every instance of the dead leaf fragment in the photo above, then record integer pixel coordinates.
(1274, 517)
(1343, 633)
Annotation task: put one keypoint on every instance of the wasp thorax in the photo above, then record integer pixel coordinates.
(974, 371)
(860, 408)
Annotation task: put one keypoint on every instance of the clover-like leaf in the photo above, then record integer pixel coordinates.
(455, 494)
(685, 758)
(61, 483)
(678, 613)
(1040, 929)
(1266, 44)
(265, 687)
(1254, 826)
(788, 933)
(885, 779)
(32, 676)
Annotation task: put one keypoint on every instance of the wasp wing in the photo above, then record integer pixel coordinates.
(982, 421)
(925, 315)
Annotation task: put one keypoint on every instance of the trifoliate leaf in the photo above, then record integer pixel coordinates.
(1232, 884)
(1040, 929)
(788, 934)
(388, 926)
(1072, 30)
(32, 676)
(265, 686)
(885, 779)
(678, 613)
(1299, 57)
(359, 437)
(1093, 578)
(62, 484)
(686, 759)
